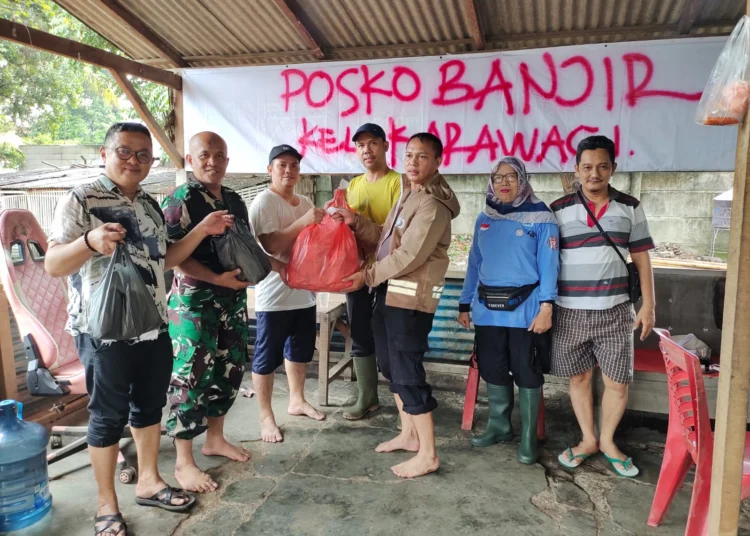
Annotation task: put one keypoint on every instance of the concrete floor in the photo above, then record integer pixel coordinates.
(326, 479)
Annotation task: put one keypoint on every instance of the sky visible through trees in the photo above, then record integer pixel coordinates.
(48, 99)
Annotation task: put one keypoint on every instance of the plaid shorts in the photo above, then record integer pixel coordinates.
(583, 338)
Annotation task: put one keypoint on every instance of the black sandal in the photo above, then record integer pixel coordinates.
(163, 499)
(110, 520)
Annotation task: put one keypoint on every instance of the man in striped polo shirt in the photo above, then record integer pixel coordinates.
(595, 317)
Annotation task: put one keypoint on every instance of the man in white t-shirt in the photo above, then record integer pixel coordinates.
(285, 317)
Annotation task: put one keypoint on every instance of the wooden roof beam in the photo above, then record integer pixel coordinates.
(143, 112)
(476, 30)
(303, 32)
(690, 13)
(20, 33)
(139, 26)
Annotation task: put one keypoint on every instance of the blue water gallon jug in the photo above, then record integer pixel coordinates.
(24, 485)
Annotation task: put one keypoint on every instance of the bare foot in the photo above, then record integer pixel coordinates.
(402, 441)
(307, 410)
(269, 431)
(193, 479)
(417, 466)
(222, 447)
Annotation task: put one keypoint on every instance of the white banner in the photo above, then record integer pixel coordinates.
(534, 104)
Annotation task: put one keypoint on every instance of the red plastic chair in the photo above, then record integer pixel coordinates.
(470, 400)
(689, 439)
(39, 305)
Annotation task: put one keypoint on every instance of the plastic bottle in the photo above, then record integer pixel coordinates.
(24, 485)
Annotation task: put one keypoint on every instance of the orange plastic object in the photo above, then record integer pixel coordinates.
(324, 254)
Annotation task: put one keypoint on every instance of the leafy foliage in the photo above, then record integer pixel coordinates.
(10, 157)
(48, 98)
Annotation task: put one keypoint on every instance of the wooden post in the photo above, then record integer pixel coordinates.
(179, 135)
(153, 125)
(734, 378)
(8, 383)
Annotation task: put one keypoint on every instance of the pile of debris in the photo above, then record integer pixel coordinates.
(665, 250)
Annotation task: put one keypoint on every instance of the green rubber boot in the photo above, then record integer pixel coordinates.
(499, 428)
(528, 399)
(366, 369)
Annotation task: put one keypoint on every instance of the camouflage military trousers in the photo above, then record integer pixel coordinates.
(209, 339)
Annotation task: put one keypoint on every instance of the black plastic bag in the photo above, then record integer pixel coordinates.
(122, 308)
(237, 248)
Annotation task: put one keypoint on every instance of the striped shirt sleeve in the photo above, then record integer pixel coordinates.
(640, 236)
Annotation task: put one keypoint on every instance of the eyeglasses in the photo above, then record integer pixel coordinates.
(144, 157)
(510, 177)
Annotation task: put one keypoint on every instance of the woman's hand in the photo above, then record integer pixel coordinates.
(543, 320)
(465, 320)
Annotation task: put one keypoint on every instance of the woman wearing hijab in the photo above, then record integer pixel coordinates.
(510, 286)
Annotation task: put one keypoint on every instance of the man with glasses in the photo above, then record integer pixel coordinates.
(124, 379)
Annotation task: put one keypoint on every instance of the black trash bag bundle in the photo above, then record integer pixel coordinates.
(237, 248)
(122, 307)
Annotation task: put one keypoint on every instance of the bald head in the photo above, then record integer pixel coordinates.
(208, 158)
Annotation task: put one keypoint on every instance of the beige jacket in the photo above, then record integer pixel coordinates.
(419, 230)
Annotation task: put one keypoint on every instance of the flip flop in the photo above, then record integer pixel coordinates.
(629, 470)
(108, 529)
(567, 458)
(163, 499)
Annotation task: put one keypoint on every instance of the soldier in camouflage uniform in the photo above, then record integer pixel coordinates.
(207, 318)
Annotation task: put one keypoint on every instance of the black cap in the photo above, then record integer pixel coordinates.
(283, 149)
(370, 128)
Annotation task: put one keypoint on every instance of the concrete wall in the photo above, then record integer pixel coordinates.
(678, 205)
(58, 155)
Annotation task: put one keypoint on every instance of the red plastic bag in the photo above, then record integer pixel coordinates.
(324, 254)
(727, 93)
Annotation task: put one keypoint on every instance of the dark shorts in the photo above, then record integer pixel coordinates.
(284, 335)
(506, 355)
(400, 346)
(359, 306)
(124, 382)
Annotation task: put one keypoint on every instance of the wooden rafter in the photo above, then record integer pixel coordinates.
(139, 26)
(151, 122)
(303, 32)
(20, 33)
(690, 13)
(476, 31)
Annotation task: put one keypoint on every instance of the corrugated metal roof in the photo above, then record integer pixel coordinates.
(159, 180)
(256, 32)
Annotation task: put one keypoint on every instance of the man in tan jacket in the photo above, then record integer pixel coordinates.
(407, 278)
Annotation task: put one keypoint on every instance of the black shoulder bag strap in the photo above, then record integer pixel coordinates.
(634, 283)
(601, 230)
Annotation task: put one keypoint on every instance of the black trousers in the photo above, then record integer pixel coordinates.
(502, 352)
(359, 306)
(400, 345)
(124, 380)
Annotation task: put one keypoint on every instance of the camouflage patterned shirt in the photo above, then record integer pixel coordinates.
(90, 206)
(188, 204)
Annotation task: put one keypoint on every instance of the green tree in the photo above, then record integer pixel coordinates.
(10, 157)
(47, 97)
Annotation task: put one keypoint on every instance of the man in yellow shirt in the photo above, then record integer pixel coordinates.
(372, 195)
